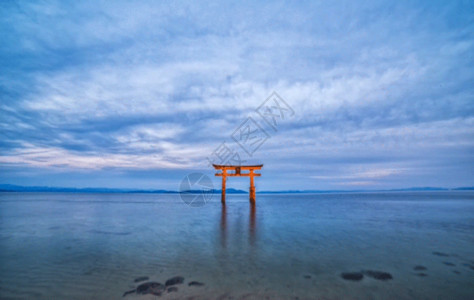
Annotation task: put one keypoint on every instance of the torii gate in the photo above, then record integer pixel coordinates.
(237, 172)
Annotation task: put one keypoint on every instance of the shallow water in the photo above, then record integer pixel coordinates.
(93, 246)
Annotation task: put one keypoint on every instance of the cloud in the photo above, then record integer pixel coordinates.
(383, 88)
(366, 174)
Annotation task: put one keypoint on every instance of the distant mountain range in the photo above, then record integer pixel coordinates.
(18, 188)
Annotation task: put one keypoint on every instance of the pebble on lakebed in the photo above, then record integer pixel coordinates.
(174, 280)
(172, 289)
(156, 288)
(379, 275)
(440, 254)
(128, 292)
(152, 287)
(354, 276)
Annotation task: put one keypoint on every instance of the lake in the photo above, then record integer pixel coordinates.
(394, 245)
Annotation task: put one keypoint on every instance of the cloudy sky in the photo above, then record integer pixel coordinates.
(137, 95)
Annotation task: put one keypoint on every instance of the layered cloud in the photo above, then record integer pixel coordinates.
(382, 92)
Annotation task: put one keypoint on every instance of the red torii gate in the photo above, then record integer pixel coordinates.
(238, 172)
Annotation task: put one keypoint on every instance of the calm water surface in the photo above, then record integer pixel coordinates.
(93, 246)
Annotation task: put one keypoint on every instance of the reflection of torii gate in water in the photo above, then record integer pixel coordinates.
(238, 172)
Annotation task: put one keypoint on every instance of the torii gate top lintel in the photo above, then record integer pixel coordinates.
(240, 166)
(238, 172)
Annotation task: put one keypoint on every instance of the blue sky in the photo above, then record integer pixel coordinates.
(137, 95)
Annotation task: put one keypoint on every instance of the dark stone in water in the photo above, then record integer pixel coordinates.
(440, 254)
(379, 275)
(154, 288)
(128, 292)
(142, 278)
(419, 268)
(448, 263)
(354, 276)
(422, 274)
(174, 280)
(195, 283)
(307, 276)
(456, 272)
(172, 289)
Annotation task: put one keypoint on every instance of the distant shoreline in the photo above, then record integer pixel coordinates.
(16, 188)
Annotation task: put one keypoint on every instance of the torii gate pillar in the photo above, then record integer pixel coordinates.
(238, 172)
(252, 188)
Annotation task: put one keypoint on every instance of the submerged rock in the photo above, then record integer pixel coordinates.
(440, 254)
(307, 276)
(142, 278)
(174, 280)
(379, 275)
(154, 288)
(419, 268)
(172, 289)
(195, 283)
(128, 292)
(422, 274)
(456, 272)
(448, 263)
(354, 276)
(469, 266)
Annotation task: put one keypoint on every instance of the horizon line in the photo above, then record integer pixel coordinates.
(21, 188)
